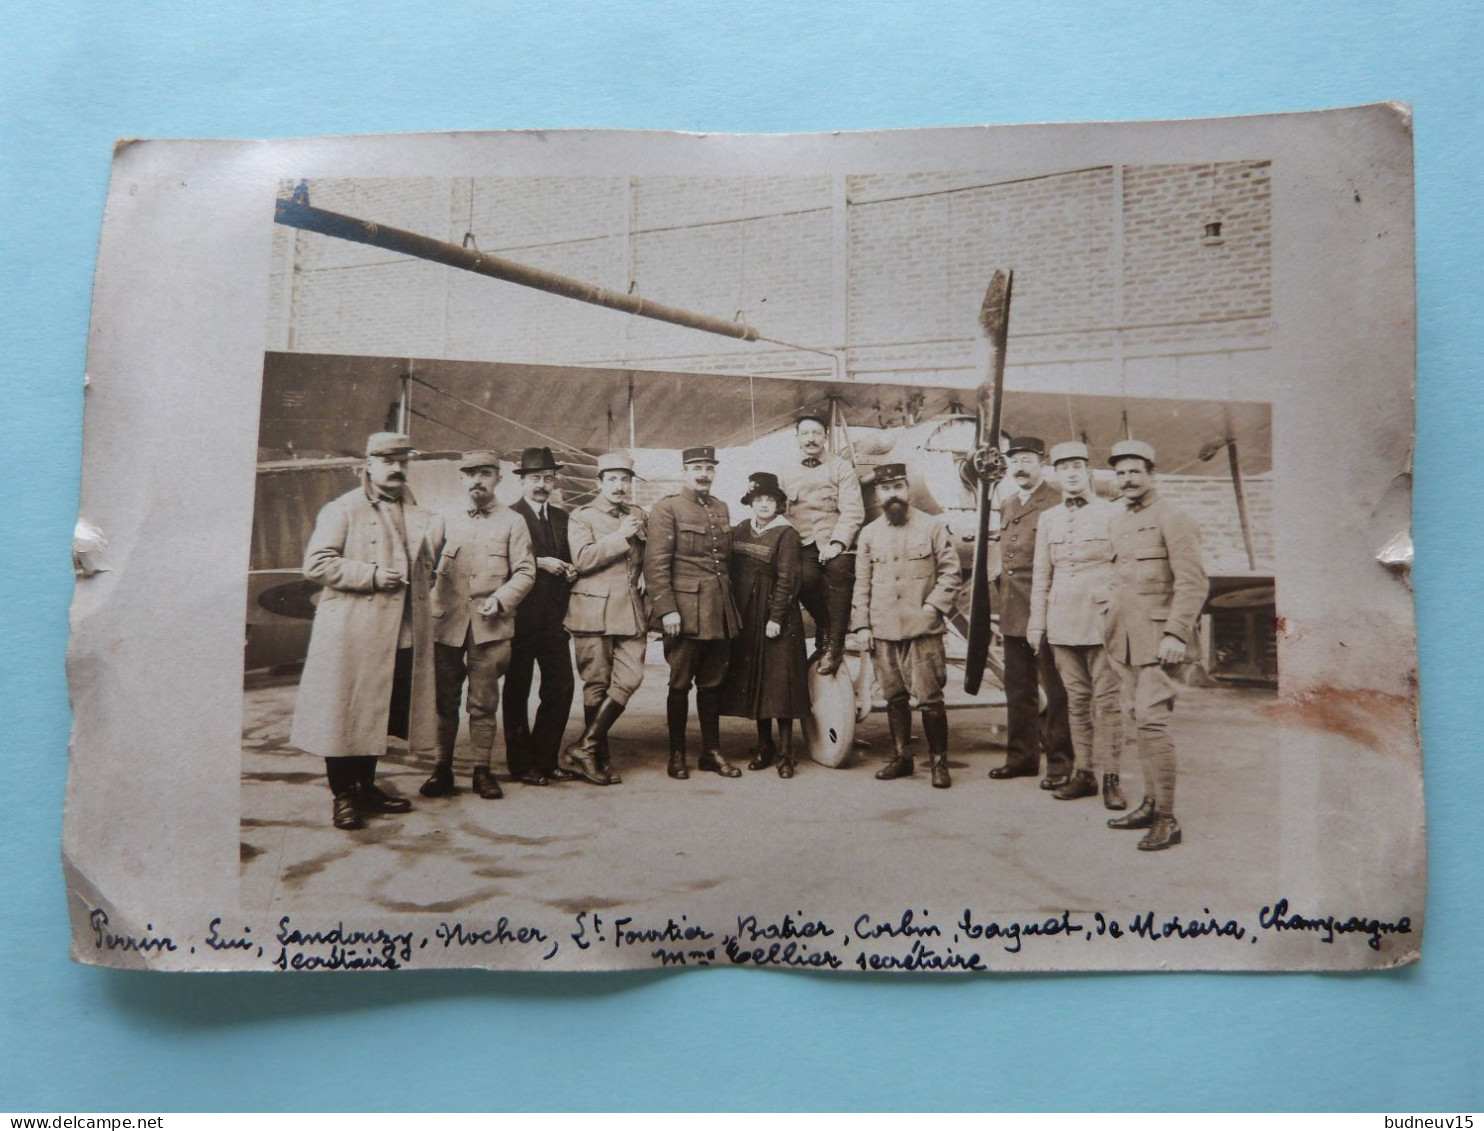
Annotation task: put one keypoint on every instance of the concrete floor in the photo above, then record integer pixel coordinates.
(1269, 808)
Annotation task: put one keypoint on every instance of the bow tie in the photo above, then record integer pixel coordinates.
(1075, 501)
(810, 461)
(479, 512)
(619, 511)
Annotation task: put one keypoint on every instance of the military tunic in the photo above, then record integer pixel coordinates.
(687, 570)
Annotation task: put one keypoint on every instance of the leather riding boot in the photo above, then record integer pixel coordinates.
(708, 710)
(834, 652)
(935, 729)
(607, 714)
(766, 751)
(899, 718)
(1140, 818)
(785, 748)
(371, 798)
(440, 783)
(677, 713)
(584, 757)
(1112, 794)
(1164, 833)
(1083, 784)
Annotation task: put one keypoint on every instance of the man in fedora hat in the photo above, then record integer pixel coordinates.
(825, 506)
(1028, 671)
(687, 571)
(540, 640)
(1159, 588)
(485, 572)
(906, 576)
(1073, 568)
(370, 667)
(607, 616)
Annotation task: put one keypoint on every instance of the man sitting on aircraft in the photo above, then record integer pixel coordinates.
(486, 570)
(687, 570)
(907, 573)
(1074, 566)
(825, 506)
(606, 616)
(369, 672)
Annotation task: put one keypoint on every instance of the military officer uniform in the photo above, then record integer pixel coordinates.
(1074, 565)
(486, 553)
(1028, 672)
(1159, 588)
(906, 578)
(607, 617)
(687, 570)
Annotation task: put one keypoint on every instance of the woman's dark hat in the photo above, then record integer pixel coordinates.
(764, 483)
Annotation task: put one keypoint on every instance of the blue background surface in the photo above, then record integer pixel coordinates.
(76, 75)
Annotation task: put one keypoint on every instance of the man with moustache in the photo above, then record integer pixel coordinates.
(906, 576)
(1074, 566)
(825, 506)
(607, 616)
(1159, 588)
(540, 638)
(1027, 667)
(687, 572)
(370, 668)
(485, 572)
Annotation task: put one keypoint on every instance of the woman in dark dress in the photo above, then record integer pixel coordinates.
(767, 677)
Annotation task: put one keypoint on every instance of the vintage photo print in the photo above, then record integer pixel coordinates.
(954, 550)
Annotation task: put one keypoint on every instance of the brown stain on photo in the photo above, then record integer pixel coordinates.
(1373, 718)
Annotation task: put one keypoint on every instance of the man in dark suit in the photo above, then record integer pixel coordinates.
(1026, 667)
(540, 638)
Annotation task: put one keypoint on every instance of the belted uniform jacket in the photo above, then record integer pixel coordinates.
(345, 694)
(898, 570)
(483, 554)
(1159, 580)
(687, 566)
(1073, 570)
(1018, 523)
(607, 596)
(546, 604)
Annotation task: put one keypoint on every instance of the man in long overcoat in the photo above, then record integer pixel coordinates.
(1149, 628)
(369, 671)
(1028, 671)
(607, 615)
(540, 640)
(687, 571)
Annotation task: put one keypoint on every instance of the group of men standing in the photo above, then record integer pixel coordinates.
(422, 611)
(1098, 604)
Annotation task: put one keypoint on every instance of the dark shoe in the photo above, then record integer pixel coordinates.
(1055, 781)
(370, 798)
(532, 776)
(898, 767)
(1000, 773)
(786, 767)
(1112, 795)
(785, 748)
(440, 782)
(677, 768)
(556, 773)
(1164, 833)
(1083, 784)
(834, 652)
(580, 759)
(766, 752)
(1140, 818)
(485, 785)
(605, 764)
(712, 761)
(346, 817)
(941, 780)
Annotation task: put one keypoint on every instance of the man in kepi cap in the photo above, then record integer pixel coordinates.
(540, 639)
(607, 615)
(369, 672)
(687, 570)
(1074, 565)
(1026, 667)
(906, 575)
(824, 505)
(1159, 589)
(485, 572)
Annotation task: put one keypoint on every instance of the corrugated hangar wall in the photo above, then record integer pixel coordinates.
(1120, 288)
